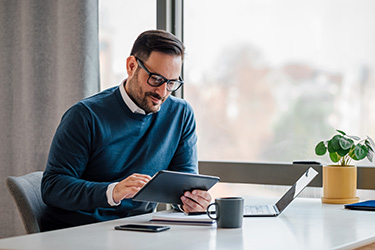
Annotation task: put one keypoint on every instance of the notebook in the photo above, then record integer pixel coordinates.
(284, 201)
(364, 205)
(181, 218)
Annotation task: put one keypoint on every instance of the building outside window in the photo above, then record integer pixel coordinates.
(270, 79)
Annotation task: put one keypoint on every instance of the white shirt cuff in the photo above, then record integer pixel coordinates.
(109, 194)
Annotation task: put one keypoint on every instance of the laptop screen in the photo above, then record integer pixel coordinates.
(296, 189)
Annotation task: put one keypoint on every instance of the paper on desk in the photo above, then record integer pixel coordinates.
(181, 218)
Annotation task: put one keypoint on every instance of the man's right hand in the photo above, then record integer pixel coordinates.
(128, 187)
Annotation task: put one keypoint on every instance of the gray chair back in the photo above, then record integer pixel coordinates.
(26, 192)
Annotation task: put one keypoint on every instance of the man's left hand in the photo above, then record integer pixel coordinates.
(195, 201)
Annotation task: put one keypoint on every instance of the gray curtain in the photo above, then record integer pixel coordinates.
(49, 60)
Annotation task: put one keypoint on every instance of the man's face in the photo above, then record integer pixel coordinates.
(145, 96)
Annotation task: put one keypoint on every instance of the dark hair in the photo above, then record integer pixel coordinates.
(157, 40)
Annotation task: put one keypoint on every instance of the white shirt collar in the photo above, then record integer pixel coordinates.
(128, 101)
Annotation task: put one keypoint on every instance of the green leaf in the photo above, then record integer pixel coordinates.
(370, 155)
(330, 147)
(371, 142)
(369, 147)
(333, 144)
(354, 137)
(320, 148)
(368, 144)
(334, 157)
(360, 151)
(352, 155)
(341, 132)
(370, 152)
(346, 143)
(343, 152)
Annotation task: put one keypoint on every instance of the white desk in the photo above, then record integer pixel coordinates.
(305, 224)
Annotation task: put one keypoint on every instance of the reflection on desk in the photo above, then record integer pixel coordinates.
(305, 224)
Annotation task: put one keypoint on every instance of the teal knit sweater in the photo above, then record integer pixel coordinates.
(100, 141)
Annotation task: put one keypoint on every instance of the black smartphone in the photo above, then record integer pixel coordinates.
(141, 227)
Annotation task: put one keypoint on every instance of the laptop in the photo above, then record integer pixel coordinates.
(284, 201)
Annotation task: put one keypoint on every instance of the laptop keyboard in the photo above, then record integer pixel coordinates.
(257, 209)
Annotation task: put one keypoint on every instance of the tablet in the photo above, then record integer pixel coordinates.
(168, 186)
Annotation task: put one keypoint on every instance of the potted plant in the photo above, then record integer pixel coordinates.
(340, 181)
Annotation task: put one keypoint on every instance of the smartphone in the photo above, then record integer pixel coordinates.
(141, 227)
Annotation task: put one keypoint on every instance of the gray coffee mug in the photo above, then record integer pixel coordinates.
(229, 212)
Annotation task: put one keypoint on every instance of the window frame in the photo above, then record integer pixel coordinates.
(170, 17)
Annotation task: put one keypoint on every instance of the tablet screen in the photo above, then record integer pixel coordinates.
(168, 186)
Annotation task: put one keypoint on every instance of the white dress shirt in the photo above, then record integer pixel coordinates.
(135, 109)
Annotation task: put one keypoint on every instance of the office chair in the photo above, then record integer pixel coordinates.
(26, 192)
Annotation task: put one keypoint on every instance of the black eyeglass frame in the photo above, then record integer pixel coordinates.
(180, 81)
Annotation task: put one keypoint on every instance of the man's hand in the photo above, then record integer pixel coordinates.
(195, 201)
(128, 187)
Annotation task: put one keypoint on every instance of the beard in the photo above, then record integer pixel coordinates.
(143, 99)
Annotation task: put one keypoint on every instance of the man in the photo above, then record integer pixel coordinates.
(108, 146)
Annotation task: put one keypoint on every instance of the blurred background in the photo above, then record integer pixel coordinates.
(267, 79)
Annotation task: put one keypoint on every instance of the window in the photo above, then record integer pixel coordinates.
(120, 22)
(269, 79)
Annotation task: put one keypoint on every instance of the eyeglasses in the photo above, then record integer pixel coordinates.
(156, 80)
